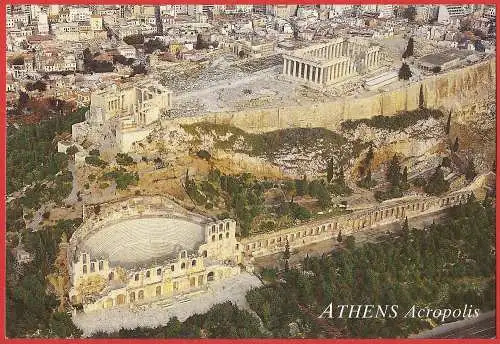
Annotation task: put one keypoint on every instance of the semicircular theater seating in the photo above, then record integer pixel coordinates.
(139, 240)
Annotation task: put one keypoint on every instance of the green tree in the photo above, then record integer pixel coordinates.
(394, 171)
(421, 101)
(404, 72)
(437, 185)
(410, 13)
(448, 124)
(301, 186)
(409, 49)
(405, 228)
(339, 236)
(350, 242)
(329, 171)
(470, 172)
(404, 176)
(286, 255)
(455, 145)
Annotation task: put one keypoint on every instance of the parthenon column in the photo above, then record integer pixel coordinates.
(320, 75)
(293, 68)
(284, 66)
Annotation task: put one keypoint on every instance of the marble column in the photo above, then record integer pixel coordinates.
(285, 61)
(293, 68)
(320, 75)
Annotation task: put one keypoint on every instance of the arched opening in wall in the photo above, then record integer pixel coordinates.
(227, 234)
(221, 227)
(213, 237)
(136, 277)
(85, 269)
(205, 254)
(141, 294)
(120, 299)
(200, 280)
(158, 290)
(237, 246)
(183, 265)
(101, 265)
(220, 236)
(111, 276)
(183, 254)
(148, 274)
(192, 282)
(158, 272)
(172, 267)
(210, 276)
(176, 286)
(132, 296)
(227, 226)
(193, 263)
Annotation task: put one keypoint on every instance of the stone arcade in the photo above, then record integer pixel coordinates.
(329, 63)
(146, 249)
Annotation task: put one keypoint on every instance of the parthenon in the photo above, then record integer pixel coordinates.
(328, 63)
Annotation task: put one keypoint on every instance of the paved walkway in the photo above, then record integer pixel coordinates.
(232, 289)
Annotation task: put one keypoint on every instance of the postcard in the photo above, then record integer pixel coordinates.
(250, 171)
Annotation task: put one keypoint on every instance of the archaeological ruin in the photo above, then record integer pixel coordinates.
(145, 249)
(329, 63)
(127, 112)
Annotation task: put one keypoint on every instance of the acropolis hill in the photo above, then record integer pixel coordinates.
(448, 91)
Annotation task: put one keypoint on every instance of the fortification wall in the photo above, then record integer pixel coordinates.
(446, 91)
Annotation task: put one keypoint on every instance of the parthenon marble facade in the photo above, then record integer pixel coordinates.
(331, 62)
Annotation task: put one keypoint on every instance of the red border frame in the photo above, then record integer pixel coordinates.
(3, 136)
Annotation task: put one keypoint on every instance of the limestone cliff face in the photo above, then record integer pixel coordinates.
(450, 90)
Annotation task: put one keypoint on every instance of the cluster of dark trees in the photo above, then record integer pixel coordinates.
(37, 85)
(397, 178)
(433, 267)
(92, 65)
(32, 154)
(134, 39)
(365, 172)
(400, 121)
(152, 45)
(30, 309)
(122, 178)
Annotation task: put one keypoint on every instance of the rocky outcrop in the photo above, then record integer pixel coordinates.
(450, 90)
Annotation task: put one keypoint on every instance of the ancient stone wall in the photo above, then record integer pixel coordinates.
(447, 91)
(273, 242)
